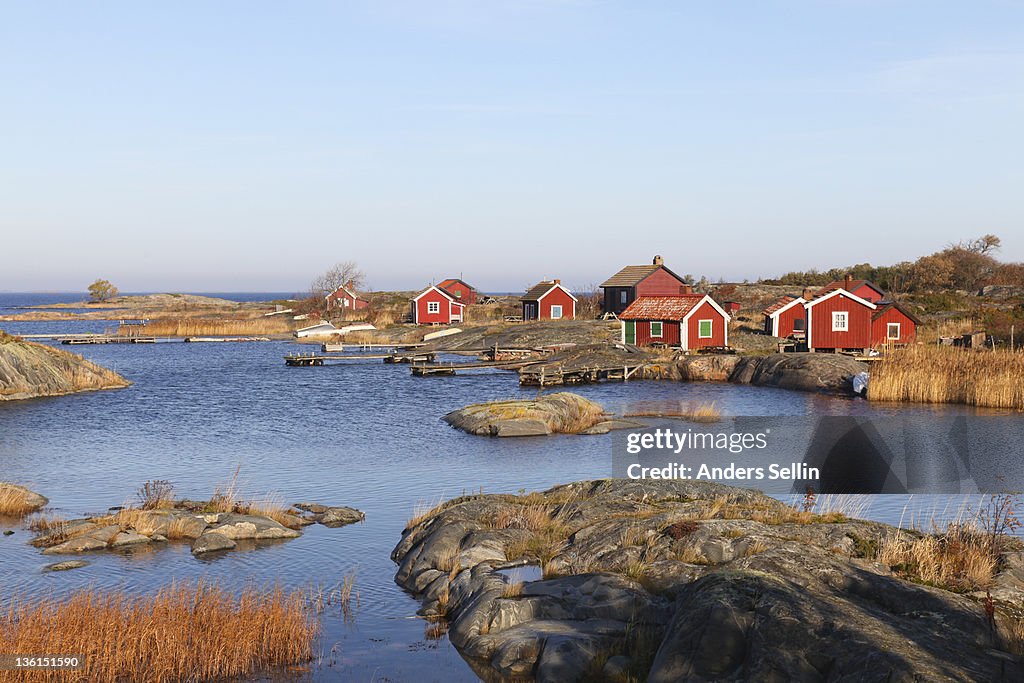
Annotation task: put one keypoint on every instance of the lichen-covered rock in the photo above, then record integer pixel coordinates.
(212, 541)
(251, 527)
(332, 516)
(562, 412)
(823, 372)
(689, 581)
(30, 370)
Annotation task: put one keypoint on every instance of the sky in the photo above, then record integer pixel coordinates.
(249, 145)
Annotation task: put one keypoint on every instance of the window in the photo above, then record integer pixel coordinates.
(840, 321)
(433, 307)
(799, 325)
(704, 328)
(556, 312)
(892, 331)
(622, 296)
(656, 329)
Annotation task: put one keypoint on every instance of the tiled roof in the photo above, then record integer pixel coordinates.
(781, 303)
(841, 284)
(661, 307)
(629, 276)
(538, 290)
(445, 284)
(884, 306)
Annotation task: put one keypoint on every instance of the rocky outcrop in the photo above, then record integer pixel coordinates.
(824, 372)
(562, 413)
(330, 516)
(30, 370)
(687, 581)
(18, 500)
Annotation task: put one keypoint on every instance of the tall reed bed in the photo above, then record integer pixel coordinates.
(219, 327)
(195, 632)
(937, 374)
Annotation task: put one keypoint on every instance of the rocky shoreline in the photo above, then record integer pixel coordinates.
(31, 370)
(694, 581)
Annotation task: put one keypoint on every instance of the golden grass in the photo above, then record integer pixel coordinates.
(227, 497)
(12, 501)
(961, 559)
(212, 327)
(513, 590)
(183, 633)
(531, 517)
(694, 411)
(421, 512)
(939, 374)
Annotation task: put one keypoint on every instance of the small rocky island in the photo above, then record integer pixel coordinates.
(695, 581)
(31, 370)
(561, 413)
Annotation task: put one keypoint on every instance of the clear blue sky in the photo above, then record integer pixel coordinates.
(248, 145)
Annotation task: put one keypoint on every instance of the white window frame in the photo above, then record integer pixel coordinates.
(556, 312)
(711, 328)
(840, 321)
(888, 331)
(622, 296)
(433, 307)
(661, 329)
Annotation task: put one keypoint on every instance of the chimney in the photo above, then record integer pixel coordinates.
(658, 261)
(685, 289)
(846, 282)
(348, 285)
(557, 281)
(808, 294)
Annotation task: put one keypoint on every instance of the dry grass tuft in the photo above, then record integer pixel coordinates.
(938, 374)
(13, 502)
(183, 633)
(210, 327)
(513, 590)
(694, 411)
(961, 559)
(157, 494)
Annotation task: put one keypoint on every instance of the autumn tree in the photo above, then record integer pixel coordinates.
(101, 290)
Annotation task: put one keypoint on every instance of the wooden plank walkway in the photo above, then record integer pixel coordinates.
(452, 368)
(331, 347)
(538, 375)
(97, 339)
(307, 360)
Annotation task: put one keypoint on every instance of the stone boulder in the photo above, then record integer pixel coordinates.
(21, 498)
(250, 527)
(331, 516)
(562, 412)
(820, 372)
(212, 541)
(690, 581)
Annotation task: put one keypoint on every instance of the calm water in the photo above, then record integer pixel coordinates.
(364, 434)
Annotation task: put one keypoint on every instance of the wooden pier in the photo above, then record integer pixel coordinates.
(311, 359)
(337, 347)
(439, 369)
(538, 375)
(101, 339)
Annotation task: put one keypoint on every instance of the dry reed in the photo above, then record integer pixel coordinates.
(693, 411)
(218, 327)
(183, 633)
(13, 502)
(936, 374)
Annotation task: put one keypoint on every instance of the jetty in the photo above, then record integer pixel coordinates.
(448, 369)
(539, 375)
(332, 347)
(104, 339)
(312, 359)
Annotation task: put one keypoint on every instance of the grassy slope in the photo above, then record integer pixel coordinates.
(28, 370)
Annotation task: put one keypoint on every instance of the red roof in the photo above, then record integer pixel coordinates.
(661, 307)
(781, 303)
(850, 287)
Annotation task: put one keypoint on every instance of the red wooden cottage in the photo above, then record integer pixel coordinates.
(893, 324)
(632, 282)
(839, 321)
(434, 306)
(346, 299)
(732, 307)
(689, 321)
(549, 300)
(459, 290)
(862, 288)
(786, 317)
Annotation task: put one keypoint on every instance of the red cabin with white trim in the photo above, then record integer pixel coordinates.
(865, 289)
(893, 324)
(346, 299)
(689, 321)
(434, 306)
(459, 290)
(549, 300)
(786, 317)
(839, 321)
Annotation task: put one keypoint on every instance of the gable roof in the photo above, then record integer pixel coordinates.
(343, 288)
(839, 292)
(630, 276)
(543, 288)
(445, 284)
(440, 291)
(781, 305)
(854, 284)
(662, 307)
(884, 306)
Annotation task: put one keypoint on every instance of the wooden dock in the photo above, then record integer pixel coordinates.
(538, 375)
(312, 359)
(338, 347)
(100, 339)
(448, 369)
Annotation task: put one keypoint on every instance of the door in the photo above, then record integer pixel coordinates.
(630, 331)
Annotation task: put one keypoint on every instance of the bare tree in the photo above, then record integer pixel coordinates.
(344, 273)
(985, 244)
